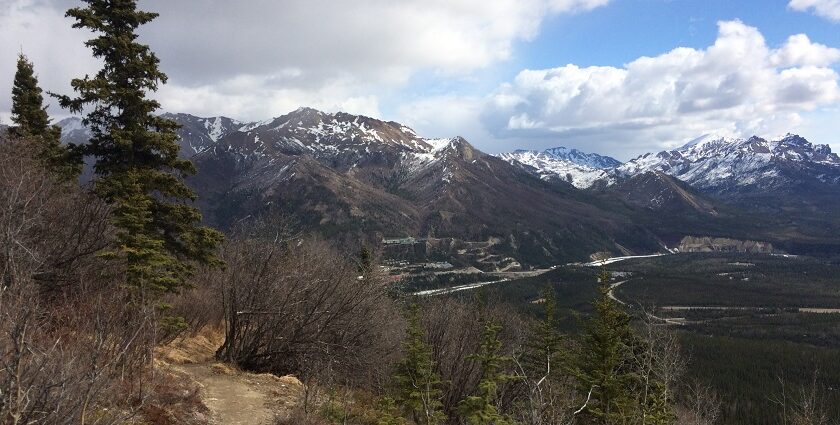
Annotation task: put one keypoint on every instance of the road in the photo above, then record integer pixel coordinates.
(442, 291)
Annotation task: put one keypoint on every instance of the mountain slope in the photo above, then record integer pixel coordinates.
(198, 134)
(658, 191)
(353, 177)
(790, 187)
(592, 160)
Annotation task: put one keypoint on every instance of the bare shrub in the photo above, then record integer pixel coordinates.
(298, 307)
(548, 397)
(659, 364)
(700, 405)
(49, 229)
(301, 417)
(809, 404)
(454, 332)
(200, 306)
(803, 405)
(67, 363)
(71, 350)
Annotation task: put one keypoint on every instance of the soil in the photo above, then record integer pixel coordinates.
(233, 397)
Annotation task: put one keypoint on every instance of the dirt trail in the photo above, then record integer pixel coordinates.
(232, 396)
(233, 399)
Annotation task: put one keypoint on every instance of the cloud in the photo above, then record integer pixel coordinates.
(738, 84)
(380, 38)
(829, 9)
(45, 36)
(446, 116)
(799, 50)
(259, 97)
(324, 53)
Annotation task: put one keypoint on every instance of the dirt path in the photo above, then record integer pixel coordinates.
(232, 398)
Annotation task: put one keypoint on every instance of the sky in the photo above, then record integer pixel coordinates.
(616, 77)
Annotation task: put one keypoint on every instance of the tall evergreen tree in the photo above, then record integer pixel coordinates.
(544, 354)
(605, 373)
(545, 363)
(32, 123)
(28, 111)
(365, 261)
(480, 409)
(417, 384)
(137, 165)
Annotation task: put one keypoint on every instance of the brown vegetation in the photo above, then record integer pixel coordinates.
(72, 349)
(298, 307)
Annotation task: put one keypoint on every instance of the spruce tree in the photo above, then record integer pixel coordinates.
(365, 261)
(656, 409)
(28, 112)
(137, 165)
(544, 354)
(605, 374)
(32, 123)
(545, 363)
(417, 384)
(480, 409)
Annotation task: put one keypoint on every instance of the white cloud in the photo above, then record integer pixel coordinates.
(259, 97)
(829, 9)
(799, 50)
(445, 116)
(380, 38)
(323, 53)
(739, 84)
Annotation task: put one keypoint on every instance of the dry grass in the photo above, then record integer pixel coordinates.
(198, 347)
(175, 399)
(286, 391)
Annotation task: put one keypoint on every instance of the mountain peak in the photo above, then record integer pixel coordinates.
(579, 168)
(723, 163)
(718, 137)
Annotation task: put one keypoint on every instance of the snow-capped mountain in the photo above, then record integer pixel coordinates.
(360, 175)
(198, 134)
(356, 176)
(721, 164)
(580, 169)
(73, 131)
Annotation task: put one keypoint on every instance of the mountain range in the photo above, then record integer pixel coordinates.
(355, 178)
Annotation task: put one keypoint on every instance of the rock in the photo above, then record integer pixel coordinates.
(711, 244)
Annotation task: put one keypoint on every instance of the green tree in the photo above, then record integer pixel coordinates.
(480, 409)
(365, 261)
(605, 371)
(32, 123)
(656, 408)
(137, 165)
(417, 384)
(545, 366)
(544, 354)
(28, 111)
